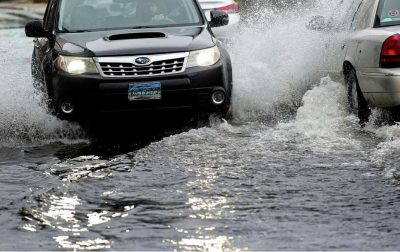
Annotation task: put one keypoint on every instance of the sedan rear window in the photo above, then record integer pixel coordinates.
(92, 15)
(388, 13)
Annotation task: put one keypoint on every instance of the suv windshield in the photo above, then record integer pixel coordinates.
(388, 13)
(91, 15)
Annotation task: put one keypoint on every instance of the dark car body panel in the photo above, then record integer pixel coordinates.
(182, 39)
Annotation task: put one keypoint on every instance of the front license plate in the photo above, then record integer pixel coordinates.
(144, 91)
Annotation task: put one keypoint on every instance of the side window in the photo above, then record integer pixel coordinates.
(364, 20)
(49, 15)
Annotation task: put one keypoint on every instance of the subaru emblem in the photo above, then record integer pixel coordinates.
(142, 61)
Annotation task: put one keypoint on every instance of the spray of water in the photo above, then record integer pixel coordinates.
(273, 60)
(277, 59)
(278, 78)
(386, 155)
(22, 120)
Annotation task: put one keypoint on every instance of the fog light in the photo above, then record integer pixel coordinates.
(218, 97)
(67, 107)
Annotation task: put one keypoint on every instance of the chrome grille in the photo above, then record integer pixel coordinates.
(162, 64)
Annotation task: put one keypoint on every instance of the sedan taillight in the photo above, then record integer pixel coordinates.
(390, 54)
(232, 8)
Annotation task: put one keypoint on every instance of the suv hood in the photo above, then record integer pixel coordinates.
(134, 42)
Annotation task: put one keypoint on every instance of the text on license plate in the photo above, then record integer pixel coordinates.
(144, 91)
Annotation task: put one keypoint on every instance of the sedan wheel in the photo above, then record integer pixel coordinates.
(356, 101)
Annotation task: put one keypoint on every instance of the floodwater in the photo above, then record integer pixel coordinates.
(291, 171)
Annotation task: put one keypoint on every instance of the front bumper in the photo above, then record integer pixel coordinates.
(381, 87)
(191, 89)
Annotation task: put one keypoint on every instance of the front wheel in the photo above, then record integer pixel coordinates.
(356, 101)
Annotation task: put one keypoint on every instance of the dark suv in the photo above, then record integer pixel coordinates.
(95, 56)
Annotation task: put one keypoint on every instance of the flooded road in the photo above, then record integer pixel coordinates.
(291, 171)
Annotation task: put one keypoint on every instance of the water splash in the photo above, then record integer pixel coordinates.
(324, 120)
(277, 59)
(386, 154)
(22, 120)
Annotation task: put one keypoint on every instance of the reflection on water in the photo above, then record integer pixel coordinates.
(62, 209)
(204, 208)
(66, 212)
(205, 243)
(81, 167)
(62, 214)
(96, 244)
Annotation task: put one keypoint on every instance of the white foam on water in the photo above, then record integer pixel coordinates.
(386, 155)
(322, 125)
(22, 120)
(324, 120)
(276, 61)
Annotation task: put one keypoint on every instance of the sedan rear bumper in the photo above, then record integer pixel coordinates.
(381, 87)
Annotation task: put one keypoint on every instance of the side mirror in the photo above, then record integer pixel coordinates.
(317, 23)
(219, 18)
(34, 29)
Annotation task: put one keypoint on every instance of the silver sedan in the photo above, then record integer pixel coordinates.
(369, 58)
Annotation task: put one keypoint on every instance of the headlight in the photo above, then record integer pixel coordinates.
(76, 65)
(205, 57)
